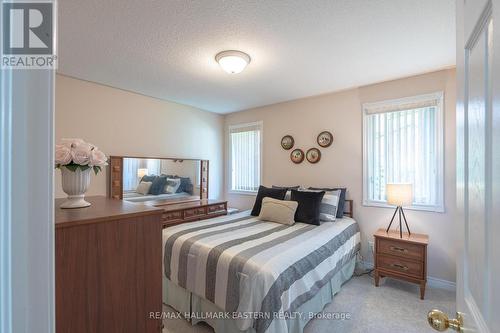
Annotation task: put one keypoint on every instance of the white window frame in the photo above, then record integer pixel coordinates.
(260, 124)
(401, 104)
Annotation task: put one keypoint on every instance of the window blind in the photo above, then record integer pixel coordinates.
(404, 146)
(245, 157)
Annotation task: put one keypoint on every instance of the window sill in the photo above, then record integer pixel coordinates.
(431, 209)
(254, 193)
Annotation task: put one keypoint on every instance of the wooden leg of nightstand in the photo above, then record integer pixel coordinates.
(376, 276)
(422, 290)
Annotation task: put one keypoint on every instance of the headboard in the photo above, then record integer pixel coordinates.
(349, 209)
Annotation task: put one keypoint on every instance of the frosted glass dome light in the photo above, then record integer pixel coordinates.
(233, 62)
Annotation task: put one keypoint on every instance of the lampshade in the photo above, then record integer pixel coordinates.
(232, 61)
(141, 173)
(399, 194)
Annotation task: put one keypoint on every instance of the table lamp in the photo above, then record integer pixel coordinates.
(141, 173)
(399, 195)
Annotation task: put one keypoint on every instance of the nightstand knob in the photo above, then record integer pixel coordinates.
(440, 322)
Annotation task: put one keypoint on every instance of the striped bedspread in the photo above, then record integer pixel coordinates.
(246, 266)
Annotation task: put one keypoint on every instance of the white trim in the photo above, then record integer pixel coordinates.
(27, 209)
(404, 103)
(424, 208)
(6, 305)
(439, 98)
(432, 282)
(254, 193)
(476, 313)
(228, 177)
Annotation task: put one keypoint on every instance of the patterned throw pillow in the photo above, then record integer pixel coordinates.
(172, 185)
(343, 190)
(329, 206)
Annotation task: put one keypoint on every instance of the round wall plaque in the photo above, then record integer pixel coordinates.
(313, 155)
(297, 156)
(287, 142)
(325, 139)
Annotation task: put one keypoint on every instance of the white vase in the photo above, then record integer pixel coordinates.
(75, 184)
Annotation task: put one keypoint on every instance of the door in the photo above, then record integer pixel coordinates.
(478, 167)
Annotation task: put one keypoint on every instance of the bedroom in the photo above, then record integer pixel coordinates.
(296, 166)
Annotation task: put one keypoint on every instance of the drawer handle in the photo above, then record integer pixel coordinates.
(399, 266)
(398, 249)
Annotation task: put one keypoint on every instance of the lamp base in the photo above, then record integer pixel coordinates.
(401, 212)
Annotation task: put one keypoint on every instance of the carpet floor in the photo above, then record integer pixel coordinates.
(393, 307)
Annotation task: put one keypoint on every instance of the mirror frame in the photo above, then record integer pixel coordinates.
(115, 189)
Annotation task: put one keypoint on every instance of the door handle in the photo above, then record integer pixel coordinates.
(440, 321)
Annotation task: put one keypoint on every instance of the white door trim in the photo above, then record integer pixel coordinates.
(27, 279)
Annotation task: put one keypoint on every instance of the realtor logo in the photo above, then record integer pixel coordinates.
(27, 35)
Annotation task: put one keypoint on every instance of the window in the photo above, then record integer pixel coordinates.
(245, 160)
(403, 143)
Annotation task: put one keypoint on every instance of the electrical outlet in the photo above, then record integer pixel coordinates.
(371, 245)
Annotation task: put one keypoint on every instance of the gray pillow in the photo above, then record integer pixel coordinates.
(329, 206)
(340, 210)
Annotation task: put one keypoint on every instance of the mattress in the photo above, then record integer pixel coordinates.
(246, 266)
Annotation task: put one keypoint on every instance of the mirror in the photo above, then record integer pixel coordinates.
(161, 180)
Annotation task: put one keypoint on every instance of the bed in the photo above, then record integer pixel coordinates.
(239, 274)
(133, 196)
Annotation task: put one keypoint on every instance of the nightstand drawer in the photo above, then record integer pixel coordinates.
(401, 249)
(407, 267)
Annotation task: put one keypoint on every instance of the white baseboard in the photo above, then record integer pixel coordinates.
(431, 281)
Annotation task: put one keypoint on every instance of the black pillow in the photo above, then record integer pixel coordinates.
(158, 185)
(148, 178)
(340, 208)
(275, 193)
(184, 187)
(308, 208)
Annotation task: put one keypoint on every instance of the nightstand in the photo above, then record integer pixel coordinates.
(401, 258)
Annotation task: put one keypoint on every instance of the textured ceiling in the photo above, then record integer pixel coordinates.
(166, 48)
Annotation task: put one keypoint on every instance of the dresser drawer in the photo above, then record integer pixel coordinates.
(400, 249)
(194, 212)
(400, 265)
(216, 208)
(172, 216)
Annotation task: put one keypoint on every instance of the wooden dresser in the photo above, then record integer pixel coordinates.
(108, 267)
(402, 258)
(177, 213)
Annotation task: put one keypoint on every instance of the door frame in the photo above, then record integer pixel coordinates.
(27, 200)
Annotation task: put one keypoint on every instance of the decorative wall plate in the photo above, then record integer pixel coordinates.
(325, 139)
(313, 155)
(287, 142)
(297, 156)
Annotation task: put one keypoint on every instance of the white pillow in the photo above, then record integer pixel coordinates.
(279, 211)
(172, 185)
(143, 187)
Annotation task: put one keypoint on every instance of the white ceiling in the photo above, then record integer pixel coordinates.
(166, 48)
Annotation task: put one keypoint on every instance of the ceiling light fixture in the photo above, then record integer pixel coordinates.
(232, 61)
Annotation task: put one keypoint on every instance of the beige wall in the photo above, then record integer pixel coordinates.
(125, 123)
(341, 163)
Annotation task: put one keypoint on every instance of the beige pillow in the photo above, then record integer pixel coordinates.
(143, 187)
(279, 211)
